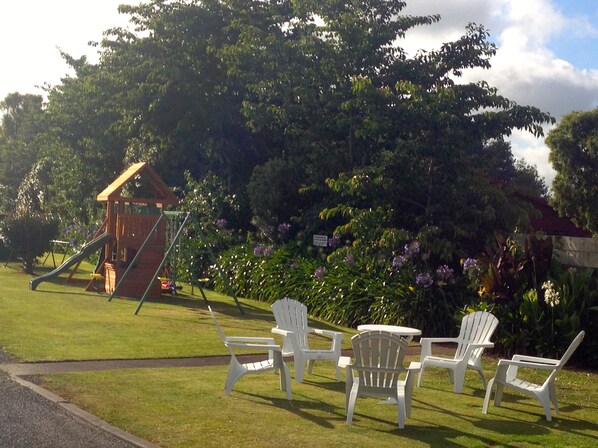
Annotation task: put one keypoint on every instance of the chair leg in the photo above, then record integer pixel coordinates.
(545, 400)
(299, 368)
(401, 410)
(421, 373)
(553, 397)
(351, 403)
(487, 397)
(482, 376)
(285, 381)
(408, 391)
(458, 378)
(348, 386)
(451, 374)
(235, 372)
(498, 394)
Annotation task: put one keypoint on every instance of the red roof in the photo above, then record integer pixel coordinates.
(550, 223)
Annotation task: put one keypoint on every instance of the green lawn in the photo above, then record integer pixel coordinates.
(186, 407)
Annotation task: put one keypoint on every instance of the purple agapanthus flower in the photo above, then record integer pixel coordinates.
(320, 272)
(399, 261)
(424, 279)
(284, 228)
(335, 241)
(444, 274)
(470, 264)
(263, 251)
(411, 249)
(221, 223)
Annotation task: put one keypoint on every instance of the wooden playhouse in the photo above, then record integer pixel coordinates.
(134, 203)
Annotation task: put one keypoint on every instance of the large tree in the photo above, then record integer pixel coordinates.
(320, 89)
(20, 129)
(573, 147)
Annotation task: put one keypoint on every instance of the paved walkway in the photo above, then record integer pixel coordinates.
(31, 416)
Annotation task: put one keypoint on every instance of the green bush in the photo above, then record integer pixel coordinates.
(540, 304)
(29, 236)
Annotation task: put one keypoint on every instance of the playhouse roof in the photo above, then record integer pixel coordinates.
(163, 194)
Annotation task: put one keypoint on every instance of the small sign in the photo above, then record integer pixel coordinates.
(320, 240)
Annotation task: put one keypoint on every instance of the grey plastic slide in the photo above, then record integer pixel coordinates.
(85, 252)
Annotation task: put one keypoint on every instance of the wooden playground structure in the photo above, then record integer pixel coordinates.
(136, 224)
(137, 238)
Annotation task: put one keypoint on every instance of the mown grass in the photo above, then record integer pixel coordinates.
(61, 321)
(186, 407)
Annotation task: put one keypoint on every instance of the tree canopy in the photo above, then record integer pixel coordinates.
(573, 147)
(298, 107)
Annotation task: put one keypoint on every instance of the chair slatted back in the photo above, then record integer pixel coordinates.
(291, 315)
(476, 328)
(571, 349)
(379, 359)
(221, 332)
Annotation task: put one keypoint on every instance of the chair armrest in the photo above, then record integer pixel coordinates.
(345, 361)
(336, 336)
(250, 340)
(535, 359)
(249, 346)
(328, 333)
(282, 332)
(426, 344)
(414, 366)
(482, 345)
(531, 365)
(435, 340)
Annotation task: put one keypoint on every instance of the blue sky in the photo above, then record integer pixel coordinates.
(547, 49)
(579, 48)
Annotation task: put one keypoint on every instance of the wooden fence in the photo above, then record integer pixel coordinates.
(574, 251)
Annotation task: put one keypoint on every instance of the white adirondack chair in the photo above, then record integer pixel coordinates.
(506, 376)
(476, 330)
(291, 323)
(377, 372)
(237, 369)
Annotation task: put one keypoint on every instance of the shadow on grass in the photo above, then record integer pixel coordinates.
(305, 409)
(515, 424)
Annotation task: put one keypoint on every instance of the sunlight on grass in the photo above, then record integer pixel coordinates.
(72, 324)
(187, 407)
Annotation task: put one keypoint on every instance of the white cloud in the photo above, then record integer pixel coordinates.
(533, 151)
(525, 69)
(31, 31)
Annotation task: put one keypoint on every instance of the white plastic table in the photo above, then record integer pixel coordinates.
(406, 332)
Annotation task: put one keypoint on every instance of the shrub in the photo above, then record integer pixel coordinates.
(540, 304)
(29, 236)
(348, 289)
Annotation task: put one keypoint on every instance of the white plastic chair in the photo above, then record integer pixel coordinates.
(377, 372)
(474, 336)
(506, 376)
(236, 369)
(291, 323)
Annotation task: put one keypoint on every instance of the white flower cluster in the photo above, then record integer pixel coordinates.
(551, 295)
